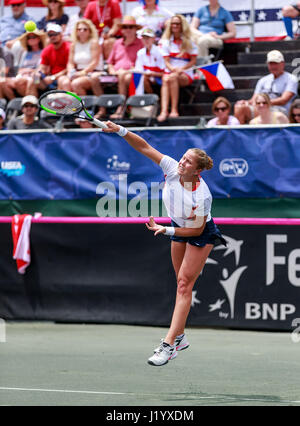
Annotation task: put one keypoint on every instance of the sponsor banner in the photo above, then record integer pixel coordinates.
(248, 163)
(268, 15)
(121, 274)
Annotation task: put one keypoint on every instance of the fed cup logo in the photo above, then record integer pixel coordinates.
(233, 167)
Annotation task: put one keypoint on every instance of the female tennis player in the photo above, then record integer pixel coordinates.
(193, 232)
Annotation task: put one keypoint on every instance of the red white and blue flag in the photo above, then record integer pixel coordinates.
(217, 76)
(136, 86)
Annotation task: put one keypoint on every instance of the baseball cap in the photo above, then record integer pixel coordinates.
(275, 56)
(147, 32)
(29, 99)
(2, 113)
(55, 28)
(16, 2)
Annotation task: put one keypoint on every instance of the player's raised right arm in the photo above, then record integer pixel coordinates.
(138, 143)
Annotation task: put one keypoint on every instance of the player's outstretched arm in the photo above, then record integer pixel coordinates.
(134, 140)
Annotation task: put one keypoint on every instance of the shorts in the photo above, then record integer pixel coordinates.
(210, 234)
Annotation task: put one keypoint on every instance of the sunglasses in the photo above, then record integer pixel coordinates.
(128, 27)
(221, 109)
(175, 23)
(296, 115)
(31, 37)
(53, 34)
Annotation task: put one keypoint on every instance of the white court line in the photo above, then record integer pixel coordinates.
(225, 398)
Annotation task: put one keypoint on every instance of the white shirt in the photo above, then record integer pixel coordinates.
(232, 121)
(181, 204)
(171, 49)
(155, 21)
(153, 61)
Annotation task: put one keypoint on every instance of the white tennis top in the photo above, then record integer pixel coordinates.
(152, 61)
(171, 49)
(182, 205)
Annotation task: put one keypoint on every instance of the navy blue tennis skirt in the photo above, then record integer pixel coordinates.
(210, 235)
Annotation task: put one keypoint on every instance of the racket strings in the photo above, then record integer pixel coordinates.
(62, 103)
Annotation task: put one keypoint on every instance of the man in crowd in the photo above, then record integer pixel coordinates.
(11, 27)
(82, 4)
(29, 119)
(54, 60)
(281, 86)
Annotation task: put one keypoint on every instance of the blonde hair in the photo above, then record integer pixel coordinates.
(265, 96)
(90, 25)
(204, 161)
(219, 100)
(186, 45)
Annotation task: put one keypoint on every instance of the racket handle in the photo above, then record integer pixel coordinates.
(99, 123)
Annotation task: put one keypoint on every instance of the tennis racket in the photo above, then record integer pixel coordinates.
(62, 103)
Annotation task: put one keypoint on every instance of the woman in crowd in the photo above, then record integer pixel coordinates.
(294, 114)
(151, 15)
(211, 25)
(83, 61)
(55, 14)
(31, 44)
(2, 119)
(180, 55)
(221, 108)
(265, 114)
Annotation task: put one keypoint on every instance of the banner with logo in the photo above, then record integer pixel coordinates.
(121, 273)
(257, 162)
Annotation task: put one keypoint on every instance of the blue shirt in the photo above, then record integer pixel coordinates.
(11, 28)
(42, 24)
(216, 23)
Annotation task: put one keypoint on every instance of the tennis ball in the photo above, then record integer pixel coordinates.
(30, 26)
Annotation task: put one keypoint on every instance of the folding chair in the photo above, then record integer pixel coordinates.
(90, 102)
(143, 107)
(111, 102)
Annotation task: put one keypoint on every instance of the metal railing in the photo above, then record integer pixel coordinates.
(250, 21)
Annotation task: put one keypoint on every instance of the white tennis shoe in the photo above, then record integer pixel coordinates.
(163, 355)
(180, 343)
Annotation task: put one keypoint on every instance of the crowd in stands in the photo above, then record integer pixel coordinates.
(74, 52)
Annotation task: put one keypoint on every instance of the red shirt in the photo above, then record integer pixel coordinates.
(103, 16)
(124, 57)
(56, 59)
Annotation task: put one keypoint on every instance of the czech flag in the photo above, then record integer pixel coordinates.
(217, 76)
(136, 86)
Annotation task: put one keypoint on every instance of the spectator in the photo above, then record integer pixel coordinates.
(82, 4)
(11, 27)
(106, 15)
(6, 69)
(289, 13)
(29, 119)
(180, 55)
(123, 57)
(265, 114)
(211, 25)
(32, 44)
(83, 60)
(149, 14)
(150, 60)
(294, 113)
(221, 109)
(54, 60)
(2, 119)
(55, 15)
(280, 85)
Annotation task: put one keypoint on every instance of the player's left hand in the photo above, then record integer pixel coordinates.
(157, 229)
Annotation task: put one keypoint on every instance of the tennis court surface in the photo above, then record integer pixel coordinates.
(106, 365)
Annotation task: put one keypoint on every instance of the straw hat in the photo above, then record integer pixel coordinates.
(41, 34)
(130, 20)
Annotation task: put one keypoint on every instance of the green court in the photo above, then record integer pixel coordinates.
(106, 365)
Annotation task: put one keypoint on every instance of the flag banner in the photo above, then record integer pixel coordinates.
(217, 77)
(136, 86)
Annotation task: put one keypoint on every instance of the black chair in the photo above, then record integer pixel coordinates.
(111, 102)
(90, 102)
(13, 108)
(143, 108)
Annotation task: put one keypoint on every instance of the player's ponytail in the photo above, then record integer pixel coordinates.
(205, 162)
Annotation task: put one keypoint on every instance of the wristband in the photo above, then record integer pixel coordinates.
(122, 132)
(170, 230)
